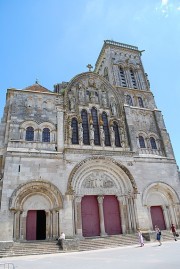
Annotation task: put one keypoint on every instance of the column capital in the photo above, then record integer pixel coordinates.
(100, 199)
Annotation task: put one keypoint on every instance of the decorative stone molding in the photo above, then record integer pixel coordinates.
(101, 175)
(41, 187)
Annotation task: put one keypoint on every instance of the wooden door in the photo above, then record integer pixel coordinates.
(112, 219)
(158, 217)
(31, 222)
(90, 216)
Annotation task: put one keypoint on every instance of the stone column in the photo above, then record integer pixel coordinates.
(54, 224)
(60, 129)
(57, 218)
(17, 225)
(127, 77)
(128, 214)
(121, 212)
(23, 225)
(165, 216)
(101, 215)
(175, 211)
(133, 214)
(78, 217)
(48, 224)
(136, 75)
(172, 214)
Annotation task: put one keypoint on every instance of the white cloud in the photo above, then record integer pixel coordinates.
(164, 2)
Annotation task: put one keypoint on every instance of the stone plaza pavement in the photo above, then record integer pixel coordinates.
(150, 256)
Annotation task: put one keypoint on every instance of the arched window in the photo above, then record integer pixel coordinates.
(140, 101)
(106, 129)
(29, 134)
(85, 127)
(133, 80)
(46, 135)
(74, 126)
(141, 142)
(153, 143)
(106, 76)
(95, 126)
(116, 133)
(122, 77)
(129, 100)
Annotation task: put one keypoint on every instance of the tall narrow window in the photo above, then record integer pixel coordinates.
(46, 135)
(153, 143)
(106, 76)
(74, 126)
(85, 127)
(122, 77)
(96, 126)
(116, 133)
(106, 129)
(141, 142)
(140, 101)
(30, 134)
(129, 100)
(133, 80)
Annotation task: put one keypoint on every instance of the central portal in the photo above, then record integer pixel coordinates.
(36, 225)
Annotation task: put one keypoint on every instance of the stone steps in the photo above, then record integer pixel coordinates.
(30, 248)
(108, 242)
(50, 247)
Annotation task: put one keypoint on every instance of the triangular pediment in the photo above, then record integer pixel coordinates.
(36, 88)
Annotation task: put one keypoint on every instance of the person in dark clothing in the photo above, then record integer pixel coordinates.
(173, 230)
(158, 235)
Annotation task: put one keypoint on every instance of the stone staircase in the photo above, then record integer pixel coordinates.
(50, 247)
(108, 242)
(30, 248)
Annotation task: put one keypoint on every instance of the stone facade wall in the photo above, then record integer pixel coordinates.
(54, 176)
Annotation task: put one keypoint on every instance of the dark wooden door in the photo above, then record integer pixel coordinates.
(31, 222)
(90, 216)
(112, 219)
(158, 217)
(36, 225)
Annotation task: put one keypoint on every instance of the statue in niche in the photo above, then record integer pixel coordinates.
(72, 103)
(70, 133)
(113, 107)
(112, 134)
(102, 135)
(104, 99)
(80, 133)
(91, 134)
(81, 92)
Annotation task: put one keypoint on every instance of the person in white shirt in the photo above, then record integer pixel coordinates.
(61, 238)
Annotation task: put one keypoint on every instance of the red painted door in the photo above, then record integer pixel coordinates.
(112, 219)
(90, 216)
(158, 217)
(31, 225)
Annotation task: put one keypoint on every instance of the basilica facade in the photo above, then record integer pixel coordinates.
(91, 158)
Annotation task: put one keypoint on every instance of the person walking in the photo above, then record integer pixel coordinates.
(140, 237)
(174, 232)
(158, 234)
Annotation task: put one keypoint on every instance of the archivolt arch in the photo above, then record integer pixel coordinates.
(40, 187)
(101, 174)
(166, 194)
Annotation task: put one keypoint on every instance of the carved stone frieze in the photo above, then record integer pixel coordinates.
(98, 179)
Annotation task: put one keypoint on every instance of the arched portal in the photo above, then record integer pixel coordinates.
(162, 204)
(36, 206)
(113, 190)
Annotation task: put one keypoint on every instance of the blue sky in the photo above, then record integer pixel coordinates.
(54, 40)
